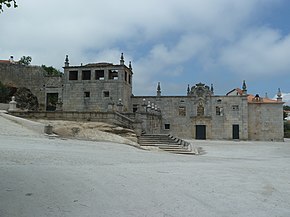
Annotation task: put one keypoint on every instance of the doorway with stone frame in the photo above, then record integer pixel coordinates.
(51, 101)
(200, 132)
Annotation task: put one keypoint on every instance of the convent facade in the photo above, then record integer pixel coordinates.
(199, 114)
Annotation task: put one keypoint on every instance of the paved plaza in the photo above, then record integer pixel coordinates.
(41, 176)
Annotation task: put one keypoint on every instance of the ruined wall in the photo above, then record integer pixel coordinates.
(266, 121)
(31, 77)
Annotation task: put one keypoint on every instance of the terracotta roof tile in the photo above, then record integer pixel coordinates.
(5, 61)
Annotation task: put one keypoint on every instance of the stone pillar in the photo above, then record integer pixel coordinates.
(12, 104)
(144, 106)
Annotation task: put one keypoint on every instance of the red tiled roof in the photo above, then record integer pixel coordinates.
(5, 61)
(239, 91)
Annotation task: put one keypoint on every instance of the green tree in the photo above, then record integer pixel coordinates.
(285, 108)
(7, 3)
(25, 60)
(51, 71)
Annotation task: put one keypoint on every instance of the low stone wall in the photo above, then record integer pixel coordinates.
(107, 117)
(35, 126)
(139, 122)
(4, 106)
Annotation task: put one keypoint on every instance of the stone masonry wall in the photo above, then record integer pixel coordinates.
(180, 112)
(266, 122)
(31, 77)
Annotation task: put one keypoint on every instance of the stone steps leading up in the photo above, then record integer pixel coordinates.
(167, 143)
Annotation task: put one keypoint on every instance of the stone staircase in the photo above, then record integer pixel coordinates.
(166, 142)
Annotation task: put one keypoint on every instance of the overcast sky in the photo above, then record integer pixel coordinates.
(176, 42)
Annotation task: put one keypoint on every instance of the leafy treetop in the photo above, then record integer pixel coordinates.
(51, 71)
(7, 3)
(25, 60)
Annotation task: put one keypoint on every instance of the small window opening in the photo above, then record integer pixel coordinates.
(73, 75)
(100, 75)
(130, 79)
(87, 94)
(86, 75)
(182, 111)
(235, 108)
(126, 74)
(218, 110)
(106, 94)
(113, 74)
(167, 126)
(135, 107)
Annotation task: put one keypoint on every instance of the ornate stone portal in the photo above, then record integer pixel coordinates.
(200, 94)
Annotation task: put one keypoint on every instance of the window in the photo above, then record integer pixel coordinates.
(135, 107)
(86, 74)
(87, 94)
(182, 111)
(217, 110)
(130, 79)
(167, 126)
(126, 74)
(235, 108)
(100, 75)
(73, 75)
(106, 94)
(113, 74)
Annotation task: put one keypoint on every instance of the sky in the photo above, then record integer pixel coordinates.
(174, 42)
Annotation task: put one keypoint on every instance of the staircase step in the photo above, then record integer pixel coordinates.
(165, 142)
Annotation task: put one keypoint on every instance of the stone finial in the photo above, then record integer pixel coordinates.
(279, 95)
(211, 88)
(66, 63)
(144, 105)
(244, 88)
(188, 90)
(11, 59)
(12, 104)
(266, 96)
(122, 62)
(130, 65)
(148, 106)
(158, 89)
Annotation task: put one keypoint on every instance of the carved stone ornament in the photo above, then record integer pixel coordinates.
(200, 90)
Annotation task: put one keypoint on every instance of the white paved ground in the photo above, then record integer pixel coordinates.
(70, 178)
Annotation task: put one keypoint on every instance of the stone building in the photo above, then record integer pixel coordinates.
(199, 114)
(202, 115)
(97, 86)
